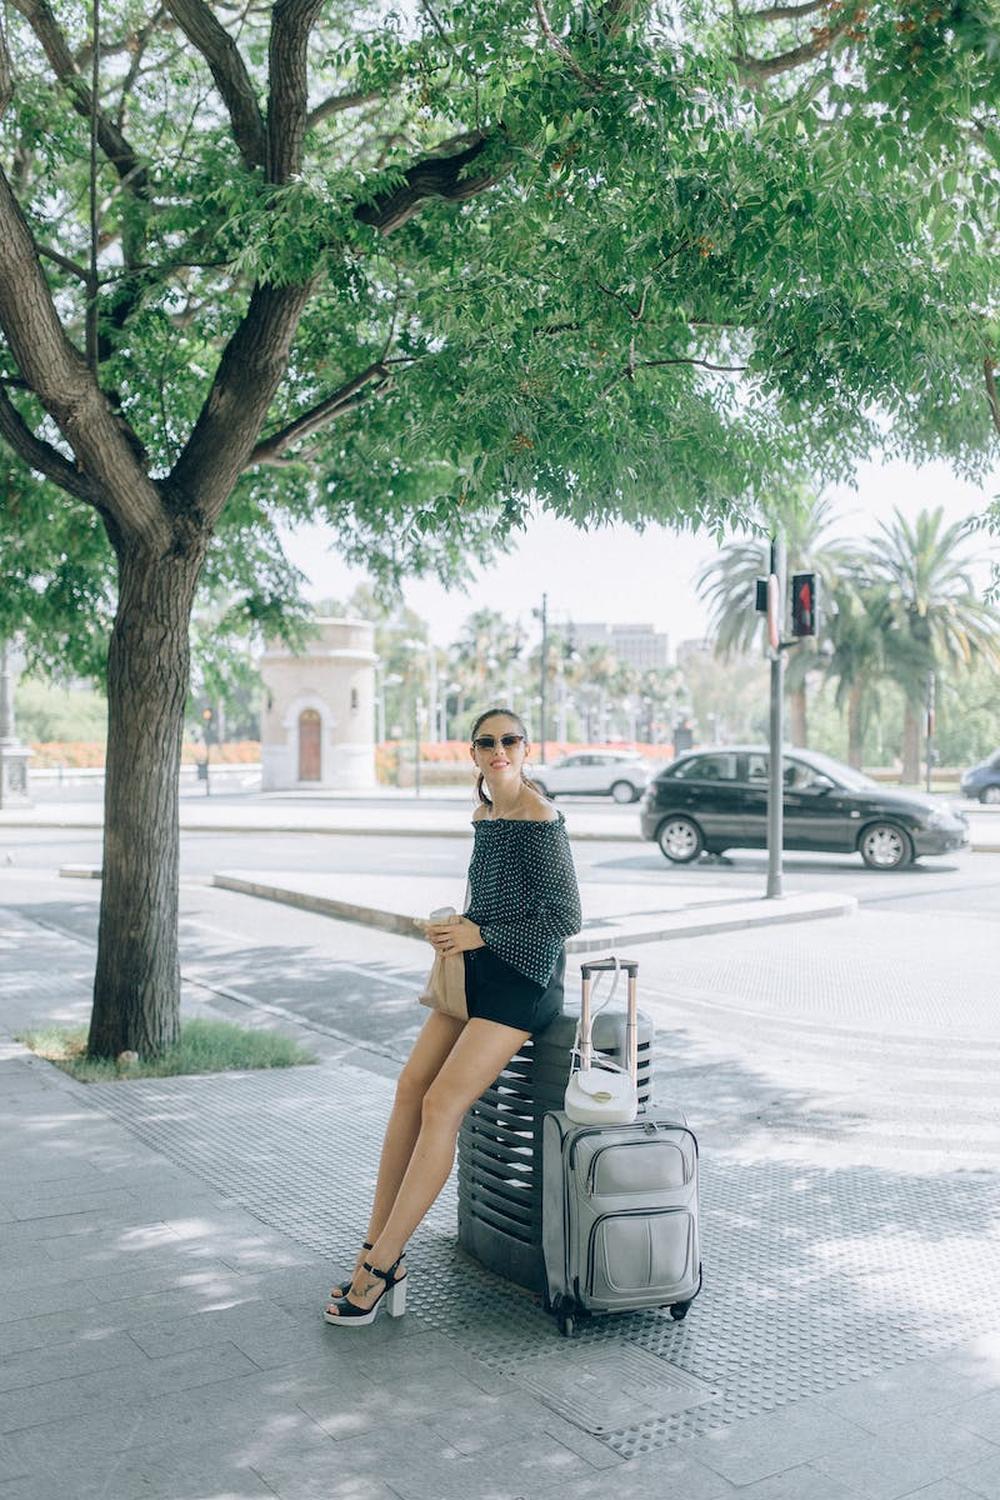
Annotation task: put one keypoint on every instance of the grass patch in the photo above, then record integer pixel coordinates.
(204, 1047)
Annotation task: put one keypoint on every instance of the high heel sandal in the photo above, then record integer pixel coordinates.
(393, 1295)
(345, 1281)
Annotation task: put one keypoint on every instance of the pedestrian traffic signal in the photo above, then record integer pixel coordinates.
(760, 603)
(803, 604)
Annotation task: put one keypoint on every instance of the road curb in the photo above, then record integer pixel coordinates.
(751, 912)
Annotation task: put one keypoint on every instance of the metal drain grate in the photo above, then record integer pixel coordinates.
(813, 1277)
(603, 1388)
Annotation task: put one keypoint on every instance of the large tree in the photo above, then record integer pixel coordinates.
(414, 274)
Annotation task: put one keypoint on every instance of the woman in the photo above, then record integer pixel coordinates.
(524, 902)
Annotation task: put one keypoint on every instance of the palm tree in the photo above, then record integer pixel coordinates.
(856, 632)
(728, 585)
(932, 615)
(482, 659)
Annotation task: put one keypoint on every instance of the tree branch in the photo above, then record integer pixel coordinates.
(785, 12)
(40, 455)
(653, 364)
(989, 371)
(435, 177)
(199, 25)
(250, 371)
(6, 73)
(369, 383)
(292, 22)
(335, 105)
(559, 47)
(105, 446)
(756, 70)
(110, 139)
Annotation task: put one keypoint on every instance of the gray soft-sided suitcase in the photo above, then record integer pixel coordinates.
(619, 1203)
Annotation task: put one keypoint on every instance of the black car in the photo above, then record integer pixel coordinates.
(983, 781)
(717, 799)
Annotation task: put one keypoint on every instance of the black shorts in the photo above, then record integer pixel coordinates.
(495, 991)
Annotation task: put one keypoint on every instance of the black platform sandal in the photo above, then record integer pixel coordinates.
(345, 1282)
(394, 1297)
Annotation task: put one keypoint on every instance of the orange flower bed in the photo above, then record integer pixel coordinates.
(90, 754)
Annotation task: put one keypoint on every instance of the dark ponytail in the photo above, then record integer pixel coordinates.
(508, 713)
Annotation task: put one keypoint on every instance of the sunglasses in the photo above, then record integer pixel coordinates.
(489, 741)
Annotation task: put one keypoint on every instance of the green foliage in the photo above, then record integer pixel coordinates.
(45, 712)
(204, 1047)
(687, 289)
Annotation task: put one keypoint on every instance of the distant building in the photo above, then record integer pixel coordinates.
(637, 646)
(317, 726)
(696, 647)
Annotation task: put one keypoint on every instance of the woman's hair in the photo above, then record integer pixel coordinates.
(507, 713)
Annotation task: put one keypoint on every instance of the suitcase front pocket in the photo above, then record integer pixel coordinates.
(632, 1254)
(646, 1167)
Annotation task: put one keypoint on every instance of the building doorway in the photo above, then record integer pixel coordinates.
(310, 745)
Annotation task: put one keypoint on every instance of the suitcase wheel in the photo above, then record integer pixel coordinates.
(679, 1311)
(565, 1311)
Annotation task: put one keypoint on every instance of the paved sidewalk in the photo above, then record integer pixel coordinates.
(164, 1246)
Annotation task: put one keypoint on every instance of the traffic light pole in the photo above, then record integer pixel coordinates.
(775, 787)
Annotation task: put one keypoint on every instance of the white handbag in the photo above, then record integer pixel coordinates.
(600, 1091)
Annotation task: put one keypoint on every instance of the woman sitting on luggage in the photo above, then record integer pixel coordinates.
(524, 903)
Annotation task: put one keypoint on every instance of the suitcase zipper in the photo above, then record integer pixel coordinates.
(649, 1126)
(592, 1173)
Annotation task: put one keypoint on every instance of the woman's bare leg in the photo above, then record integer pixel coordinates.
(477, 1057)
(437, 1037)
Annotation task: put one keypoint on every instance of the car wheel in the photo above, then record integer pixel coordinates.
(990, 794)
(885, 846)
(624, 791)
(680, 839)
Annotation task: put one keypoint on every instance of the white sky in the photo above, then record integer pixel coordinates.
(617, 575)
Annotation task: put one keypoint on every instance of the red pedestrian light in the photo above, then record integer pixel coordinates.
(804, 604)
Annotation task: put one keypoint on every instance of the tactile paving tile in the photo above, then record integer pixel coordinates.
(813, 1277)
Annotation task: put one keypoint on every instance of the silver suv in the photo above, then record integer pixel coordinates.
(621, 774)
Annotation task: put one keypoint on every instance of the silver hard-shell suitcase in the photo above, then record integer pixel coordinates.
(619, 1202)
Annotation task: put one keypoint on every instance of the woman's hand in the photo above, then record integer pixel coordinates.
(456, 935)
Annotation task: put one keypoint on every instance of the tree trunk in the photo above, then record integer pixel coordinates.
(798, 727)
(913, 716)
(855, 725)
(137, 982)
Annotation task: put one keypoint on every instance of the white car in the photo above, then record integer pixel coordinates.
(620, 774)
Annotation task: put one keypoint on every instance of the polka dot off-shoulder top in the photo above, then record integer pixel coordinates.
(523, 894)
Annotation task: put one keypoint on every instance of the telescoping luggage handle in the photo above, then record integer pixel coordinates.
(603, 965)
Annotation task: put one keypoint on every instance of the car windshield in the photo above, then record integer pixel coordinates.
(847, 776)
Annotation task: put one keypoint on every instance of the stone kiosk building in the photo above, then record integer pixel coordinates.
(317, 725)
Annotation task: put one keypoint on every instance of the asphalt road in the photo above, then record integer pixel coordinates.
(961, 882)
